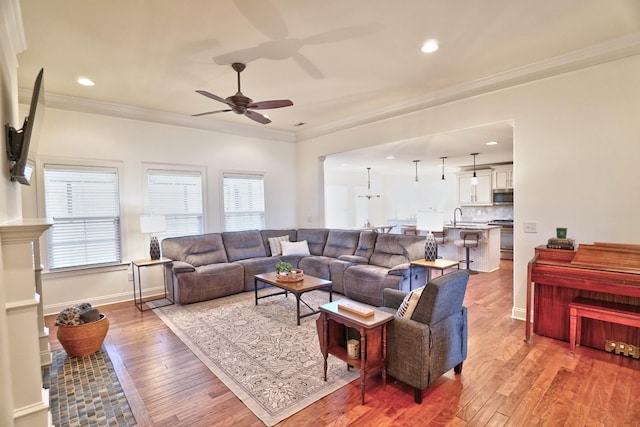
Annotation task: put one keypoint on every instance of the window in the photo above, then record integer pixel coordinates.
(178, 196)
(84, 204)
(243, 202)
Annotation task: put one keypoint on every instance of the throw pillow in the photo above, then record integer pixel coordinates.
(274, 244)
(300, 248)
(409, 303)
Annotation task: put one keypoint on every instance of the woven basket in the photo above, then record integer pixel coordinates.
(296, 275)
(82, 340)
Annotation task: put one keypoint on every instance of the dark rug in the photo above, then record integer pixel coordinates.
(85, 391)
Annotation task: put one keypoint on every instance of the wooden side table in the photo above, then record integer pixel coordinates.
(333, 325)
(437, 264)
(137, 296)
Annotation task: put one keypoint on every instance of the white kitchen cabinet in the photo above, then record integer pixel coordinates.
(503, 177)
(475, 195)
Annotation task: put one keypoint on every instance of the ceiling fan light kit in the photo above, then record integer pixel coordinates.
(244, 105)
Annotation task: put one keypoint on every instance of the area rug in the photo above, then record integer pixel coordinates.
(274, 366)
(85, 391)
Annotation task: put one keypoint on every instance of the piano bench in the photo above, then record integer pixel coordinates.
(624, 314)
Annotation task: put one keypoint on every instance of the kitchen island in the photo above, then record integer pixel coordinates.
(486, 257)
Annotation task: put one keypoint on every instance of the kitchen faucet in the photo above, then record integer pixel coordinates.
(454, 215)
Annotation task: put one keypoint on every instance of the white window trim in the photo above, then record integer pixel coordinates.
(79, 163)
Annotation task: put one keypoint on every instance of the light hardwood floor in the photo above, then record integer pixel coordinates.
(505, 381)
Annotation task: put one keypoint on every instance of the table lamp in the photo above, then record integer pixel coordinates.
(150, 224)
(429, 222)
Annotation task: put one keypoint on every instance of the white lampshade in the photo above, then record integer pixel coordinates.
(430, 221)
(152, 224)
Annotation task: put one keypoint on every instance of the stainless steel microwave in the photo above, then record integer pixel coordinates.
(503, 196)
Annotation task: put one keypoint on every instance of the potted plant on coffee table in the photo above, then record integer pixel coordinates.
(286, 273)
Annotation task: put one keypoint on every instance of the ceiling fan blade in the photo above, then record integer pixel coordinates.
(265, 105)
(212, 96)
(210, 112)
(257, 117)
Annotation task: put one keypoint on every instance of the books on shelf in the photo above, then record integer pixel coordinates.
(556, 243)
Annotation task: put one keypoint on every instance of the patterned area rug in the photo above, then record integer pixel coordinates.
(85, 391)
(272, 365)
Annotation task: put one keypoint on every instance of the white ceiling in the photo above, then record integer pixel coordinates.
(340, 62)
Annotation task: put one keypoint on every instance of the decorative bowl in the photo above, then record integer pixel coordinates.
(295, 275)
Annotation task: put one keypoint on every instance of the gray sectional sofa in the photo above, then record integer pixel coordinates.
(359, 263)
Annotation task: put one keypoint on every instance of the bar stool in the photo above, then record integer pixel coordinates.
(468, 239)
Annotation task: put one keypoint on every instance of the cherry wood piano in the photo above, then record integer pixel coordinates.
(600, 271)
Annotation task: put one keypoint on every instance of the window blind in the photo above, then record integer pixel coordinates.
(243, 202)
(84, 204)
(178, 196)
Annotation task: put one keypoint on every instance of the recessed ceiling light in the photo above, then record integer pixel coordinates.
(390, 157)
(430, 46)
(85, 81)
(492, 143)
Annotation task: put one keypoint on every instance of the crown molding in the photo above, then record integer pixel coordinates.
(593, 55)
(84, 105)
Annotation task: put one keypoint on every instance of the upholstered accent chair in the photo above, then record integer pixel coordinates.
(434, 339)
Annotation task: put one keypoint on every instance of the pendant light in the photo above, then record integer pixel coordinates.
(369, 196)
(416, 162)
(474, 179)
(443, 167)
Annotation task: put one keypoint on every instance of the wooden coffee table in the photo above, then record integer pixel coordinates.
(309, 283)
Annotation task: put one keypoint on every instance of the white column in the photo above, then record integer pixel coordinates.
(45, 348)
(30, 400)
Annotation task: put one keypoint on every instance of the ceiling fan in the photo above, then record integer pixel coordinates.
(241, 104)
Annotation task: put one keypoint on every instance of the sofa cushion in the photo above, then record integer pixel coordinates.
(300, 248)
(198, 250)
(365, 283)
(341, 242)
(267, 234)
(355, 259)
(253, 266)
(208, 282)
(337, 268)
(366, 243)
(393, 249)
(243, 244)
(317, 266)
(274, 244)
(316, 239)
(409, 303)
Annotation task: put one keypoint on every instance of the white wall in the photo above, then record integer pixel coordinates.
(576, 148)
(74, 135)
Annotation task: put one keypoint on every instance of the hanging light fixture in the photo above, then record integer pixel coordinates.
(443, 167)
(474, 178)
(416, 162)
(369, 196)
